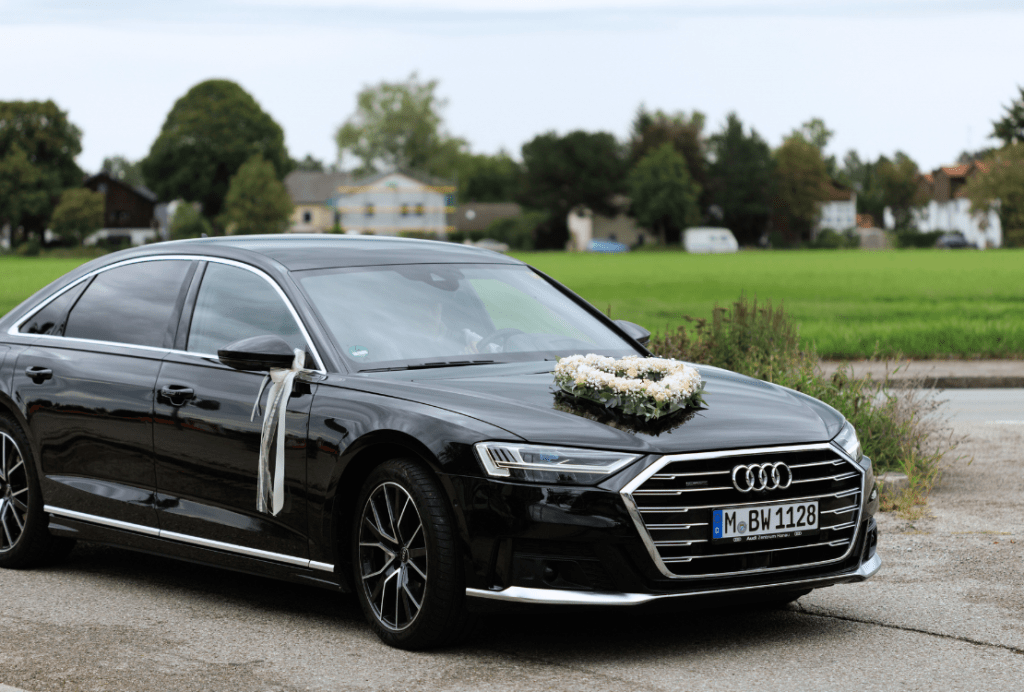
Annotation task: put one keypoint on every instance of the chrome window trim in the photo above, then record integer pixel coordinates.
(519, 594)
(634, 512)
(191, 540)
(13, 331)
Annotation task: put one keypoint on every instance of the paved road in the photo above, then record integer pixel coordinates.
(946, 612)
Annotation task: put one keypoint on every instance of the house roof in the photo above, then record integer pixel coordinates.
(834, 192)
(140, 190)
(958, 171)
(314, 187)
(438, 184)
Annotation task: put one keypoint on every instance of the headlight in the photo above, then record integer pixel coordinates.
(550, 464)
(847, 440)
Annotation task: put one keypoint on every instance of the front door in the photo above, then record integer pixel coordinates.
(207, 449)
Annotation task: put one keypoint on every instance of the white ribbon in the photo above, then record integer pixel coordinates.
(270, 489)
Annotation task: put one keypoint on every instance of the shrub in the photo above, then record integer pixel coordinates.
(1013, 237)
(899, 433)
(910, 238)
(834, 240)
(30, 248)
(188, 223)
(518, 232)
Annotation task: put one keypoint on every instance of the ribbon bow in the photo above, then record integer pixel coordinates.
(270, 489)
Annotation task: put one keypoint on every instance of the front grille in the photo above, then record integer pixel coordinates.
(673, 500)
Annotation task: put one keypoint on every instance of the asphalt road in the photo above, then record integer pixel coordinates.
(945, 613)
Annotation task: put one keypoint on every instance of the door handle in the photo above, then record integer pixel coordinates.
(38, 375)
(176, 395)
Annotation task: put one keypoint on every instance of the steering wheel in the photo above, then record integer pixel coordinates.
(499, 334)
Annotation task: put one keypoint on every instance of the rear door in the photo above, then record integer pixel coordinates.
(207, 448)
(87, 388)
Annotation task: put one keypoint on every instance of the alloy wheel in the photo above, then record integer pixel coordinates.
(13, 493)
(393, 556)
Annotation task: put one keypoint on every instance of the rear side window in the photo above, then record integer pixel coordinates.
(50, 320)
(133, 304)
(235, 304)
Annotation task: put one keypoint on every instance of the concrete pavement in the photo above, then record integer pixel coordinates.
(943, 374)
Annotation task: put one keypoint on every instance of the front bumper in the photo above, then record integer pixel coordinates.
(519, 594)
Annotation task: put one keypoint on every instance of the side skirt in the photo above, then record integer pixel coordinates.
(120, 534)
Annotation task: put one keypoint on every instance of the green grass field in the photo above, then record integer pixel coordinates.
(850, 304)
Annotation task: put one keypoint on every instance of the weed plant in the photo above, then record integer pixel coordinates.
(901, 432)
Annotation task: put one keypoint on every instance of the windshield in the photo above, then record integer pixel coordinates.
(433, 314)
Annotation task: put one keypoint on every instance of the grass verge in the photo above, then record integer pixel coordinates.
(901, 430)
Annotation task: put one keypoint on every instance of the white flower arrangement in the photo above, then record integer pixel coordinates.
(644, 387)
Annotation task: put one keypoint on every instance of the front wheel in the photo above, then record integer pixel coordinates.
(408, 573)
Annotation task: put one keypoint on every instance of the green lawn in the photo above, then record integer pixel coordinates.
(919, 303)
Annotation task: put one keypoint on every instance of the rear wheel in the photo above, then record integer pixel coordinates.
(406, 559)
(24, 538)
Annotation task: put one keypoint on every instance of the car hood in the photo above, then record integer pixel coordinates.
(520, 398)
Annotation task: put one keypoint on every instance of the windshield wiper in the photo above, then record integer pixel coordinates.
(427, 366)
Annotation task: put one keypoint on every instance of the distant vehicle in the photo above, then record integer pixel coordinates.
(953, 241)
(606, 246)
(709, 240)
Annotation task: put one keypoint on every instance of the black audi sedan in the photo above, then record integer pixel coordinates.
(422, 457)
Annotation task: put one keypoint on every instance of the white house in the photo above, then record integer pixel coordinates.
(839, 211)
(396, 203)
(948, 209)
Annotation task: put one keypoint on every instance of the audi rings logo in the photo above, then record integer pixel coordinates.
(760, 477)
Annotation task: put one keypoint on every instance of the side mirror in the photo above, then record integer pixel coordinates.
(258, 353)
(635, 331)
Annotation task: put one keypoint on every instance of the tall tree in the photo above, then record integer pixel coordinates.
(664, 196)
(581, 168)
(399, 125)
(816, 133)
(1000, 185)
(897, 182)
(1010, 128)
(684, 132)
(487, 178)
(209, 133)
(123, 169)
(257, 202)
(740, 180)
(310, 163)
(79, 212)
(801, 181)
(38, 146)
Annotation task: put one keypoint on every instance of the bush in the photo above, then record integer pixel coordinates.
(910, 238)
(188, 223)
(518, 232)
(1013, 237)
(30, 248)
(421, 235)
(898, 433)
(834, 240)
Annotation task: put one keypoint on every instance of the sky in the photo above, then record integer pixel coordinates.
(927, 77)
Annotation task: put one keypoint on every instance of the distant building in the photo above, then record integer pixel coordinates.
(125, 206)
(401, 202)
(477, 216)
(948, 209)
(313, 194)
(838, 211)
(585, 225)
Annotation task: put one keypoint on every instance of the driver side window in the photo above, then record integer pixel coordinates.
(235, 303)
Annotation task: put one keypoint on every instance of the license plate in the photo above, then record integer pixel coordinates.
(765, 523)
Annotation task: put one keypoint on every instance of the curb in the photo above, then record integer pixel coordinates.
(936, 374)
(957, 382)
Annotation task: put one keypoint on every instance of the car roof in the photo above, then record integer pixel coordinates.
(303, 251)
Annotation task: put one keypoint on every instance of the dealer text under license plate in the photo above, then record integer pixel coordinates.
(772, 521)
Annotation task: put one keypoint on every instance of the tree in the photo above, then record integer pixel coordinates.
(121, 168)
(399, 125)
(211, 131)
(1000, 178)
(664, 196)
(801, 179)
(257, 202)
(188, 222)
(892, 183)
(486, 178)
(309, 164)
(816, 133)
(561, 173)
(1010, 128)
(38, 146)
(740, 180)
(685, 132)
(79, 212)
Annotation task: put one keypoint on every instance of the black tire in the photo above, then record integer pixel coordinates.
(388, 565)
(25, 540)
